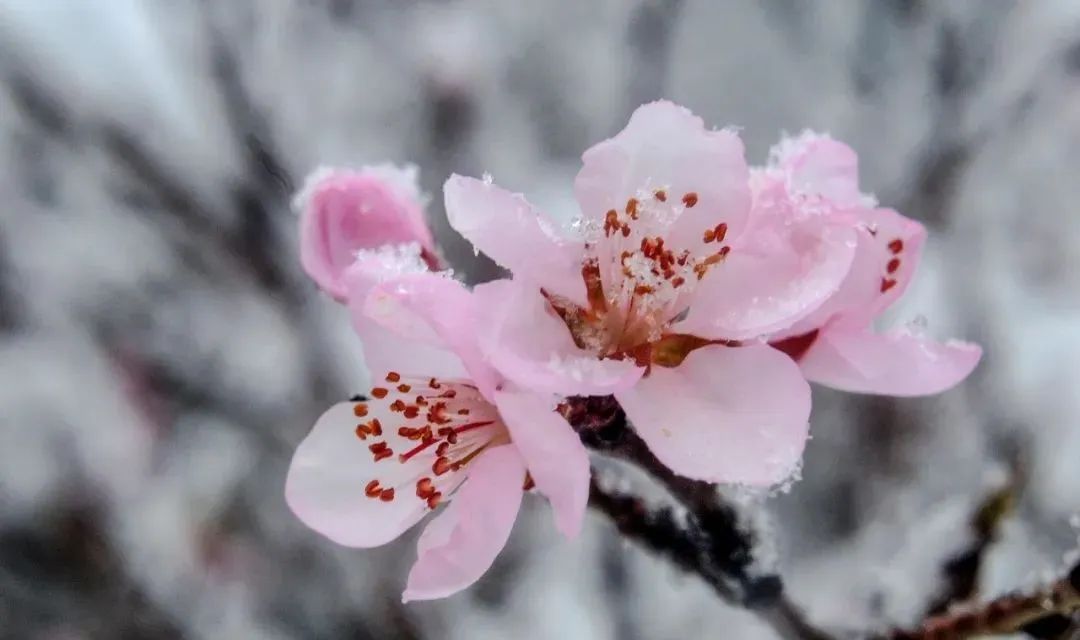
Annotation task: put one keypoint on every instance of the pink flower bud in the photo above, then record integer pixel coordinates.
(343, 211)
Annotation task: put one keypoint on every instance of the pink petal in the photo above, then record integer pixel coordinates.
(385, 350)
(343, 211)
(666, 147)
(325, 486)
(512, 233)
(724, 415)
(462, 542)
(429, 308)
(556, 459)
(817, 164)
(526, 340)
(897, 363)
(778, 277)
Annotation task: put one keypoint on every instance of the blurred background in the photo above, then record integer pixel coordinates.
(161, 353)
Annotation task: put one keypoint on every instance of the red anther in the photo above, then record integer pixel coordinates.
(896, 246)
(424, 488)
(642, 289)
(411, 412)
(441, 466)
(678, 282)
(421, 401)
(397, 405)
(724, 250)
(625, 231)
(393, 376)
(404, 388)
(887, 283)
(661, 195)
(408, 433)
(360, 410)
(372, 490)
(893, 265)
(362, 432)
(387, 495)
(632, 208)
(434, 384)
(449, 393)
(611, 222)
(463, 412)
(529, 482)
(375, 427)
(380, 450)
(690, 199)
(379, 392)
(721, 231)
(442, 449)
(434, 500)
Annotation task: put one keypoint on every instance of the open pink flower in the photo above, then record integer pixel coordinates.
(442, 425)
(343, 211)
(658, 294)
(836, 345)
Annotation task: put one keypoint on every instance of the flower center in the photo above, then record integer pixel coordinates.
(637, 285)
(440, 427)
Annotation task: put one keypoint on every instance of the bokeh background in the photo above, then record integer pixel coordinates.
(161, 353)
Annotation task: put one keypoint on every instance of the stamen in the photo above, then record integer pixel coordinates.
(372, 490)
(360, 410)
(404, 388)
(690, 199)
(632, 208)
(434, 500)
(379, 392)
(893, 265)
(434, 384)
(380, 450)
(661, 195)
(896, 246)
(387, 495)
(455, 432)
(393, 376)
(397, 406)
(887, 283)
(411, 412)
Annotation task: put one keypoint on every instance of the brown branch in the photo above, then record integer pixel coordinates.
(709, 540)
(1035, 614)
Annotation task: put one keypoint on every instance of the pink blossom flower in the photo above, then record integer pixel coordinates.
(442, 426)
(343, 211)
(836, 345)
(658, 294)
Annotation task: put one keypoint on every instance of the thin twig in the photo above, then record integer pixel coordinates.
(682, 540)
(1009, 614)
(709, 540)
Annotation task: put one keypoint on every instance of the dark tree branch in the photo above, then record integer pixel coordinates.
(682, 540)
(709, 540)
(961, 572)
(1044, 613)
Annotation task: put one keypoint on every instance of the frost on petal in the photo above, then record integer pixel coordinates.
(345, 211)
(512, 233)
(687, 178)
(432, 309)
(553, 453)
(523, 337)
(726, 414)
(462, 542)
(898, 363)
(816, 164)
(373, 266)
